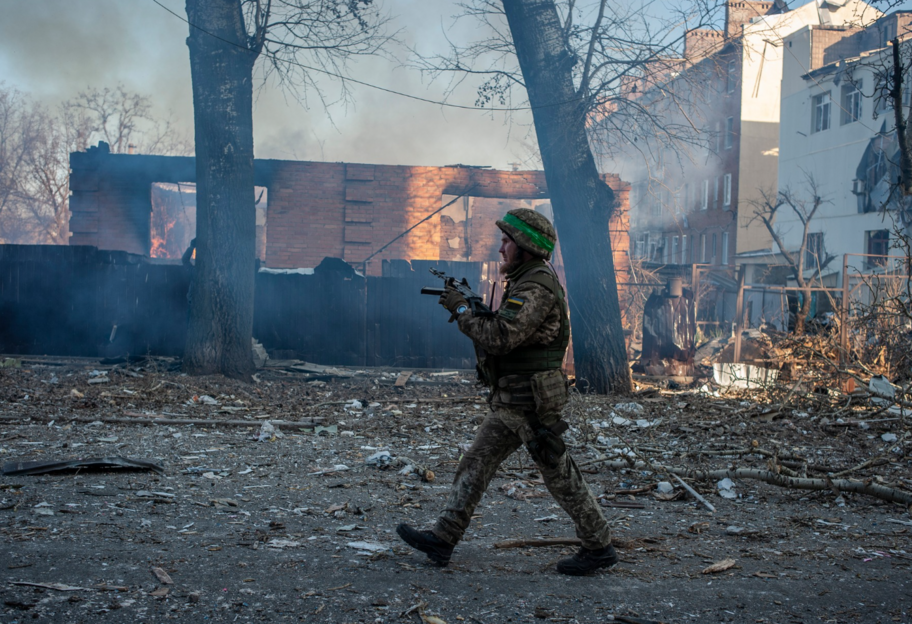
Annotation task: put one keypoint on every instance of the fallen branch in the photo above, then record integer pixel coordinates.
(557, 541)
(175, 421)
(414, 400)
(551, 541)
(694, 493)
(893, 495)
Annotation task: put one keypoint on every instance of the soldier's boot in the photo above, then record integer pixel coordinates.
(586, 561)
(435, 548)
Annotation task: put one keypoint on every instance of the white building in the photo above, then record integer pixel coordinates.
(838, 131)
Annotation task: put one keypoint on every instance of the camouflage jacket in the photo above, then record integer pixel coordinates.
(529, 314)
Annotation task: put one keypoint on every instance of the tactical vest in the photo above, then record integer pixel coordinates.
(533, 358)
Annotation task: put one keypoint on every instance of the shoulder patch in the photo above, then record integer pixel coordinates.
(511, 306)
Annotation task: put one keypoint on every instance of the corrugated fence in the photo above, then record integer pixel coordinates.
(81, 301)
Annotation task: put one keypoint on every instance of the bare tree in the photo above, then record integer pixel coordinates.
(575, 63)
(35, 147)
(810, 258)
(227, 37)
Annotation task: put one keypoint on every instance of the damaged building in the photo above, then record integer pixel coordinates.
(344, 249)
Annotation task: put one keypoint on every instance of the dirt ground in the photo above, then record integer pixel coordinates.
(246, 526)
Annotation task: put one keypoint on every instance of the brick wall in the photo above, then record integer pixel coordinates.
(315, 210)
(741, 12)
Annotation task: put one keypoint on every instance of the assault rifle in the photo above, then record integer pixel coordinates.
(475, 301)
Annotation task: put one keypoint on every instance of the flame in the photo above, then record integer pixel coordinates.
(160, 238)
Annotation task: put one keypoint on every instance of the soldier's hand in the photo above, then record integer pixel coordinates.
(453, 301)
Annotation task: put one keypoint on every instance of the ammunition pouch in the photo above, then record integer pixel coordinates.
(550, 391)
(546, 448)
(516, 390)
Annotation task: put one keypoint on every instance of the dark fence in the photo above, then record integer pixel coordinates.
(80, 301)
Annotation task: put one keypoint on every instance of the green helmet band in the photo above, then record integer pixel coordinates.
(534, 235)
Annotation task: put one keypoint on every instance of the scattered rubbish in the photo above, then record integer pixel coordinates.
(621, 421)
(282, 544)
(259, 354)
(268, 432)
(430, 619)
(880, 386)
(354, 405)
(721, 566)
(743, 375)
(402, 379)
(664, 487)
(348, 528)
(326, 430)
(99, 380)
(370, 547)
(546, 518)
(206, 400)
(380, 459)
(888, 437)
(13, 469)
(62, 587)
(725, 488)
(162, 576)
(630, 408)
(11, 363)
(694, 493)
(741, 531)
(336, 468)
(76, 394)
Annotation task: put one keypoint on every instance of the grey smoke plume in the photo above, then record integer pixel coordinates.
(55, 48)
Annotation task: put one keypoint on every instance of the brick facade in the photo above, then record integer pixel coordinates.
(316, 210)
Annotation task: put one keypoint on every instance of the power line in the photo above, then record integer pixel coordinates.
(362, 82)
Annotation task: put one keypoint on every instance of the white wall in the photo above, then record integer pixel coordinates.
(830, 157)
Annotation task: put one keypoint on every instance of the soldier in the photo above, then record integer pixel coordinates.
(520, 351)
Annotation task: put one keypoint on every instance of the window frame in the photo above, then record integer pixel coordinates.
(729, 133)
(852, 102)
(704, 200)
(725, 248)
(822, 110)
(812, 251)
(727, 190)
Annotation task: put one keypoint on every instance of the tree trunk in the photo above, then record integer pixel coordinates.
(222, 287)
(582, 202)
(802, 312)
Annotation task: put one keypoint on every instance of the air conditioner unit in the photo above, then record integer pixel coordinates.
(858, 187)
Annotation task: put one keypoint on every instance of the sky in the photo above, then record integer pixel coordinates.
(52, 49)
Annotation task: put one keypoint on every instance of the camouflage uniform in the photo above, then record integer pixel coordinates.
(533, 318)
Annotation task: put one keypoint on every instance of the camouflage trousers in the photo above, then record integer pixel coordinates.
(501, 433)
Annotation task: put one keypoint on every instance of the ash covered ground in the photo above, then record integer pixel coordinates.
(244, 525)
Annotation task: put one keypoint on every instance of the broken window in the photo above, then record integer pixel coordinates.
(813, 251)
(877, 244)
(851, 103)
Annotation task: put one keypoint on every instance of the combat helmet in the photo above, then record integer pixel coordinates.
(531, 230)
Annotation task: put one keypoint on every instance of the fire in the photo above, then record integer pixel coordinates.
(159, 249)
(173, 219)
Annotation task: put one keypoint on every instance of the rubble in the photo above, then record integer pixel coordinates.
(308, 519)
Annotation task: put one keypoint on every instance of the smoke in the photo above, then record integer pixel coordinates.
(55, 48)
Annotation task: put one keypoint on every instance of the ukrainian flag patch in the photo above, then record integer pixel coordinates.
(510, 307)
